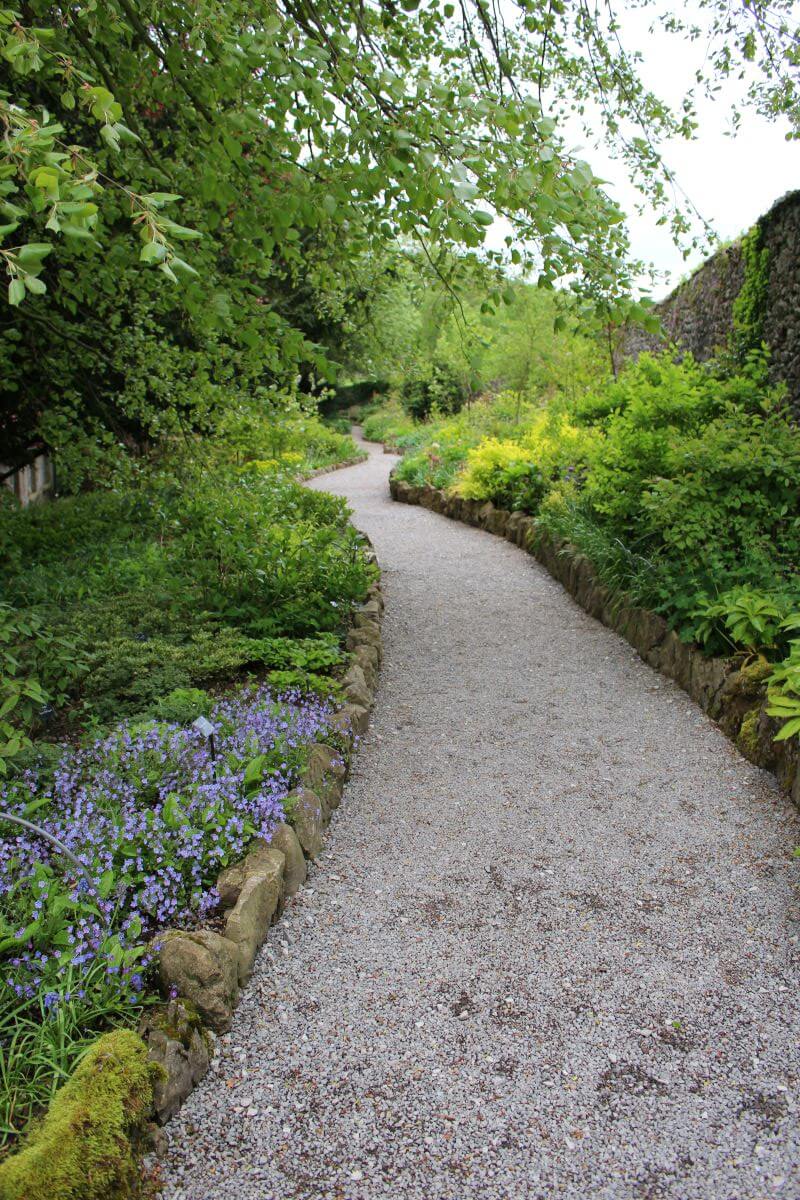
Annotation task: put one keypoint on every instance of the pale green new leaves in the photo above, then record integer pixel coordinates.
(41, 173)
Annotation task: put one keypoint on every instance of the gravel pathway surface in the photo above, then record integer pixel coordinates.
(551, 949)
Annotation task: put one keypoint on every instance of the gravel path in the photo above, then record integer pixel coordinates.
(551, 949)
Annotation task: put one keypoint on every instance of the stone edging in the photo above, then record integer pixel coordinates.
(203, 970)
(346, 462)
(732, 694)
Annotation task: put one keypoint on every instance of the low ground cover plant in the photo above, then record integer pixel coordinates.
(172, 583)
(151, 813)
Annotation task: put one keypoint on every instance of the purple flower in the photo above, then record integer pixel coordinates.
(152, 817)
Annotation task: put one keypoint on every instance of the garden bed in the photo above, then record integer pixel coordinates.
(201, 968)
(128, 615)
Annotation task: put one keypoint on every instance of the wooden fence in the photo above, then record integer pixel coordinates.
(34, 482)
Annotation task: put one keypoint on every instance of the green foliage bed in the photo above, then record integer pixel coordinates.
(185, 579)
(210, 583)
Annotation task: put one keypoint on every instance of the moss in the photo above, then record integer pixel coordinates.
(747, 739)
(178, 1021)
(750, 680)
(83, 1147)
(750, 306)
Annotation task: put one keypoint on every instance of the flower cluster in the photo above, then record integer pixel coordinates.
(152, 813)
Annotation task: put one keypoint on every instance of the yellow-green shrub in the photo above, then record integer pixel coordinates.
(488, 460)
(557, 445)
(503, 472)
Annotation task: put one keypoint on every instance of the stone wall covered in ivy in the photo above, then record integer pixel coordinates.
(747, 293)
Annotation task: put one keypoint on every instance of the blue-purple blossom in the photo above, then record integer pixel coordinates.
(152, 816)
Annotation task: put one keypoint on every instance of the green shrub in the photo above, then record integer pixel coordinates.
(502, 472)
(694, 476)
(438, 464)
(441, 389)
(728, 492)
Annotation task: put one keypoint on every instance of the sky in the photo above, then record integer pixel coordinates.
(731, 180)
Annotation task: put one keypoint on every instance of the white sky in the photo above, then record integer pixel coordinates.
(731, 180)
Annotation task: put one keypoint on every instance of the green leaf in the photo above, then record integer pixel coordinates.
(153, 252)
(159, 199)
(16, 292)
(791, 728)
(179, 231)
(106, 884)
(78, 231)
(31, 255)
(465, 191)
(36, 286)
(182, 267)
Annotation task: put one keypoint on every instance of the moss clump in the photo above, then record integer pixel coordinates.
(747, 738)
(83, 1148)
(751, 680)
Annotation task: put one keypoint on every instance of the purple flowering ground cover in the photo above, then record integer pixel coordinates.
(152, 817)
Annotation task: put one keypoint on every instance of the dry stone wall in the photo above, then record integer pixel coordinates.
(698, 316)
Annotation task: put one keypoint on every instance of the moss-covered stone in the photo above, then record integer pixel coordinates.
(182, 1048)
(742, 691)
(84, 1146)
(747, 738)
(178, 1020)
(750, 680)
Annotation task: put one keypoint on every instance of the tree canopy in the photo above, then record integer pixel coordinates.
(202, 197)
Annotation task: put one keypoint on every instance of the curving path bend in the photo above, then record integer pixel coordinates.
(551, 949)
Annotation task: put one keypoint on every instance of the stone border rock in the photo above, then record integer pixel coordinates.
(731, 693)
(202, 971)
